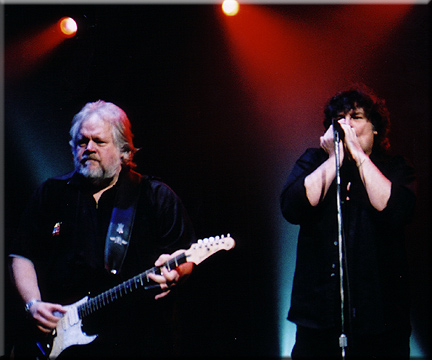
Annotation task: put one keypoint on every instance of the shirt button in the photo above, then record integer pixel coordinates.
(335, 243)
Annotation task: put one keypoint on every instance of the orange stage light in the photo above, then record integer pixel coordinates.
(230, 7)
(27, 52)
(68, 26)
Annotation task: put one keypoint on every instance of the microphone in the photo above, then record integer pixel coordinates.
(338, 128)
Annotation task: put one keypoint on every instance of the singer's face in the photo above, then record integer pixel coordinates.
(365, 132)
(97, 157)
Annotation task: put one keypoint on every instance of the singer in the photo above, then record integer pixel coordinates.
(377, 190)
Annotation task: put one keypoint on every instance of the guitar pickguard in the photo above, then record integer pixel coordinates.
(69, 330)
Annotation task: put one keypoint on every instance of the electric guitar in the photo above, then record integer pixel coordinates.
(68, 331)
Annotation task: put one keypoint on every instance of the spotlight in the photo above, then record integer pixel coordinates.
(230, 7)
(68, 26)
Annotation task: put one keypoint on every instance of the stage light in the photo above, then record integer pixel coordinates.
(230, 7)
(68, 26)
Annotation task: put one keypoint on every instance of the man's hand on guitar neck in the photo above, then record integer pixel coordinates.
(44, 315)
(168, 279)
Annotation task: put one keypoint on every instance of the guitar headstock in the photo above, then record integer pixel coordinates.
(204, 248)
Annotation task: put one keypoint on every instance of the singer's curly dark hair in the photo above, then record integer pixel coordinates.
(375, 109)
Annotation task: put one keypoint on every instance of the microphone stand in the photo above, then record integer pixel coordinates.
(343, 341)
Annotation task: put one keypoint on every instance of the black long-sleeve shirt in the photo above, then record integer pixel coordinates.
(376, 285)
(63, 233)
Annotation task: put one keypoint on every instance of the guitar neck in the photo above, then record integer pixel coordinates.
(139, 281)
(196, 254)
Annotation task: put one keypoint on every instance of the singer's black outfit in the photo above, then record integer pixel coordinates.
(376, 293)
(63, 233)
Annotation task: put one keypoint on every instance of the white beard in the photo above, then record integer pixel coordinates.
(97, 174)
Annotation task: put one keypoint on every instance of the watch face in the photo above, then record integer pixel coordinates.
(29, 305)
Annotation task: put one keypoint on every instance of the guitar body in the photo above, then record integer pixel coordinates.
(68, 332)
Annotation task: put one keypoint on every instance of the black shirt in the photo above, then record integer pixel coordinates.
(63, 233)
(377, 287)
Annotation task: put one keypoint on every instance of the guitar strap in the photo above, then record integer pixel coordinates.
(121, 224)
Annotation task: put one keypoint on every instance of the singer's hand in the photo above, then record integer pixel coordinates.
(318, 181)
(352, 143)
(327, 143)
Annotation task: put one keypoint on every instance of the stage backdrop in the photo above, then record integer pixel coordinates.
(221, 107)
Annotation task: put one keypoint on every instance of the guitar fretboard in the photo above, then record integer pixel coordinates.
(126, 287)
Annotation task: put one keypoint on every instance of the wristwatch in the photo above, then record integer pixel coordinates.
(30, 304)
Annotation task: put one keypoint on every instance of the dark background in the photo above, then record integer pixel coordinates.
(221, 108)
